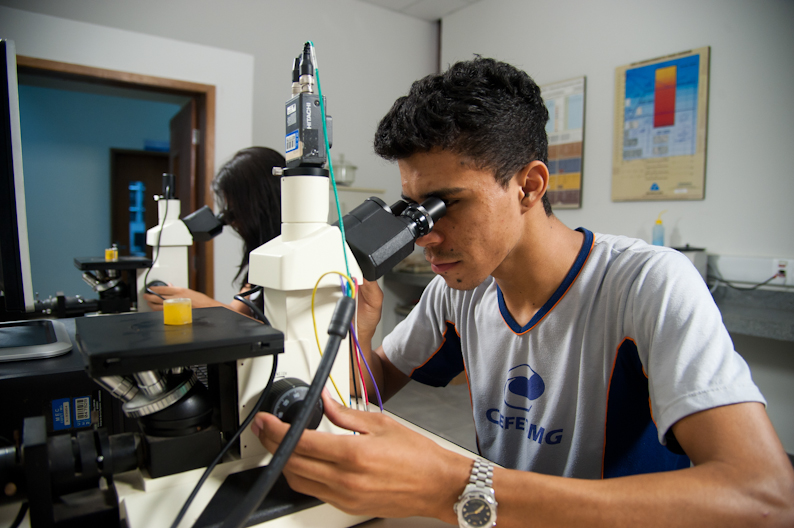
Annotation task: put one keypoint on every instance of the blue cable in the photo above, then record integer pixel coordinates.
(330, 165)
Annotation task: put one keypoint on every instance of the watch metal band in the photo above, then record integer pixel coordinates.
(481, 474)
(476, 506)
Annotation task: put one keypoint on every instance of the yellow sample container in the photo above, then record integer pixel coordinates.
(112, 253)
(177, 311)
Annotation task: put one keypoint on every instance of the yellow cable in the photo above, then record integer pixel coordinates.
(314, 321)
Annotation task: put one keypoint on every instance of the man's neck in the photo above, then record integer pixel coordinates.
(537, 266)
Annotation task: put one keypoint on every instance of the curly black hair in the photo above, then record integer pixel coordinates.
(488, 111)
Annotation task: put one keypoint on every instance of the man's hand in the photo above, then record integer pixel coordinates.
(370, 306)
(197, 299)
(385, 471)
(388, 378)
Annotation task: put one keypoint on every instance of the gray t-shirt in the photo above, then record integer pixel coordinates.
(630, 343)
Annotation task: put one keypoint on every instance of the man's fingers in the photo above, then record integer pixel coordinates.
(314, 444)
(305, 473)
(308, 486)
(370, 296)
(371, 290)
(350, 471)
(273, 428)
(333, 490)
(350, 419)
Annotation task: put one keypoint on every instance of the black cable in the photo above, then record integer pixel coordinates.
(254, 308)
(157, 256)
(337, 330)
(251, 291)
(215, 462)
(354, 372)
(719, 278)
(250, 304)
(20, 516)
(750, 288)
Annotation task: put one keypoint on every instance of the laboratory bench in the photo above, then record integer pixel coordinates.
(757, 313)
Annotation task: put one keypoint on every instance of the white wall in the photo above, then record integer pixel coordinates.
(749, 185)
(57, 39)
(368, 56)
(772, 365)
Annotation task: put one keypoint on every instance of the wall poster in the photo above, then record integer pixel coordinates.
(661, 107)
(565, 130)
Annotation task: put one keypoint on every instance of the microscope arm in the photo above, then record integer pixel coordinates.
(337, 331)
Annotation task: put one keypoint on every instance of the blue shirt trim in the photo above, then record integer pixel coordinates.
(581, 258)
(444, 364)
(631, 444)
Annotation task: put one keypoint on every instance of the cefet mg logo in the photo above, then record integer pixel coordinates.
(523, 386)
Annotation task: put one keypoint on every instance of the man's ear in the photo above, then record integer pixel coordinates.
(533, 179)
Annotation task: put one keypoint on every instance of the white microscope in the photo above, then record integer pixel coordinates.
(170, 239)
(300, 273)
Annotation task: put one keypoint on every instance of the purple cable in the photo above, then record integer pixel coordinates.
(345, 286)
(360, 353)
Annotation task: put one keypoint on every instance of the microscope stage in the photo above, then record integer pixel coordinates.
(127, 343)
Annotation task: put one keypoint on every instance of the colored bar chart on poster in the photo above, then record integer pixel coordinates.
(660, 128)
(664, 97)
(565, 130)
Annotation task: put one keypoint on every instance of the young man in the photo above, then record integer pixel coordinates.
(588, 356)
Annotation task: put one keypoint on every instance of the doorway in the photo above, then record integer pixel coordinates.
(197, 175)
(135, 177)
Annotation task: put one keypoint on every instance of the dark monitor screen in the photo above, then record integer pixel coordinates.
(15, 279)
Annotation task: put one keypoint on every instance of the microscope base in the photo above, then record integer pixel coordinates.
(154, 503)
(170, 455)
(281, 501)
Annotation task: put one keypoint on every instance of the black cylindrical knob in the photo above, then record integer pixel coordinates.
(286, 399)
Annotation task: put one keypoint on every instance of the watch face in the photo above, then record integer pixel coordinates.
(476, 512)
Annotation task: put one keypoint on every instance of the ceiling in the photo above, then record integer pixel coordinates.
(430, 10)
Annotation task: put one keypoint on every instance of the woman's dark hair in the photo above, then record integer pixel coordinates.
(250, 197)
(484, 110)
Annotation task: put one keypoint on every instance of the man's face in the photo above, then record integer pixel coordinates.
(482, 223)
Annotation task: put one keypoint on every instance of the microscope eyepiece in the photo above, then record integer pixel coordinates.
(169, 183)
(381, 236)
(424, 215)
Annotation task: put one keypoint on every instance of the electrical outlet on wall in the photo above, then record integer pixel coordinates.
(784, 268)
(748, 271)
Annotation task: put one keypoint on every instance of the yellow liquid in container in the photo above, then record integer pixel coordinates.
(177, 312)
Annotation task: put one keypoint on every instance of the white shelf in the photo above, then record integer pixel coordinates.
(341, 188)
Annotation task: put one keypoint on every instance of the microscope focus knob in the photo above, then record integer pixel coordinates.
(286, 400)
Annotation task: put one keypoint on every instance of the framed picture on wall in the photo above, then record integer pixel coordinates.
(565, 130)
(661, 108)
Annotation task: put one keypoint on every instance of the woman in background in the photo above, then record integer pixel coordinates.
(250, 197)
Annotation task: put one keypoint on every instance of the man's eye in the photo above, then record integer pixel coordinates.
(449, 203)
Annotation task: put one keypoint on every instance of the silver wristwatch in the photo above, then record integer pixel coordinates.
(476, 506)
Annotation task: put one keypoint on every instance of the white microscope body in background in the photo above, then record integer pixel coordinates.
(288, 268)
(170, 260)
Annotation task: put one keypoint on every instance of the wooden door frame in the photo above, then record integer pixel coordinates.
(203, 94)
